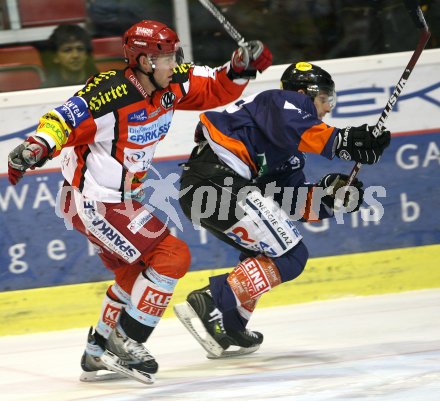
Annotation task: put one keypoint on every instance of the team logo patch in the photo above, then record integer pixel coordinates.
(140, 30)
(240, 235)
(137, 160)
(143, 135)
(135, 157)
(151, 132)
(138, 116)
(154, 302)
(105, 97)
(254, 275)
(107, 233)
(139, 221)
(302, 66)
(89, 209)
(294, 162)
(74, 111)
(167, 100)
(344, 155)
(96, 81)
(110, 315)
(139, 43)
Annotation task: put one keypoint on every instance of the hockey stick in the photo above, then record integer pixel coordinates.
(419, 20)
(233, 33)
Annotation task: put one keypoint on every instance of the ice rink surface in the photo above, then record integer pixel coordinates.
(383, 348)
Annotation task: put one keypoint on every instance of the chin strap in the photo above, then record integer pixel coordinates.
(150, 75)
(153, 81)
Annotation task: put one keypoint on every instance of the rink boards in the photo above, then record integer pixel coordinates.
(325, 278)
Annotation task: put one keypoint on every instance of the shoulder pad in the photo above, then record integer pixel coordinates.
(97, 81)
(108, 91)
(181, 73)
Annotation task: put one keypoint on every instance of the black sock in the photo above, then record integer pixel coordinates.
(134, 329)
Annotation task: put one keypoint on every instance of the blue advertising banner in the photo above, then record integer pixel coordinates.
(401, 210)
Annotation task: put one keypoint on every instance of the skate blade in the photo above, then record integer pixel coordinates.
(233, 353)
(112, 362)
(100, 375)
(185, 313)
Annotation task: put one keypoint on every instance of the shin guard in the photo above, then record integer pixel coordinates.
(252, 278)
(150, 297)
(114, 301)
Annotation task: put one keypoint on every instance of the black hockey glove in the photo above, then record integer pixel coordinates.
(354, 196)
(33, 152)
(360, 145)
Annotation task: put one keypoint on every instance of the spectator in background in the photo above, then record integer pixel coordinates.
(68, 59)
(205, 31)
(372, 27)
(431, 9)
(114, 17)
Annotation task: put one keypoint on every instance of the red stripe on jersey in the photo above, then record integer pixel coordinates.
(80, 152)
(314, 139)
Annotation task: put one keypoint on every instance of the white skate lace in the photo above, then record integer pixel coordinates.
(217, 315)
(138, 351)
(251, 333)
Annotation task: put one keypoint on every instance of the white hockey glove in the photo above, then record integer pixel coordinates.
(249, 58)
(33, 152)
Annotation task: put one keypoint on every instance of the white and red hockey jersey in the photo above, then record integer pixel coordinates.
(108, 131)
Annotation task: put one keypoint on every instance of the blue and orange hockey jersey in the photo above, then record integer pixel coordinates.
(268, 133)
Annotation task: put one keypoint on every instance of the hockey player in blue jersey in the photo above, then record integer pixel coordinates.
(244, 182)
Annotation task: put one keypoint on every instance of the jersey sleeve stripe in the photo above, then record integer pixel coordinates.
(122, 186)
(233, 145)
(184, 88)
(81, 168)
(314, 139)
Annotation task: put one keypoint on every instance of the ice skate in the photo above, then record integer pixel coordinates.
(247, 341)
(212, 336)
(91, 364)
(128, 357)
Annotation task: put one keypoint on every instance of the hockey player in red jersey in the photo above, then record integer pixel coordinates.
(248, 163)
(106, 135)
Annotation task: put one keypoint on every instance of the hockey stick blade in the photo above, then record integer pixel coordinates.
(232, 32)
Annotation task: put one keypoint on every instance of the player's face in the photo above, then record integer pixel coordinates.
(324, 103)
(164, 65)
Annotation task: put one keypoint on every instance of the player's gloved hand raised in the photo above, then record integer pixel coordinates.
(252, 56)
(354, 196)
(359, 144)
(33, 152)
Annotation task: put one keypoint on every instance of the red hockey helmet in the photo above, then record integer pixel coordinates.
(150, 38)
